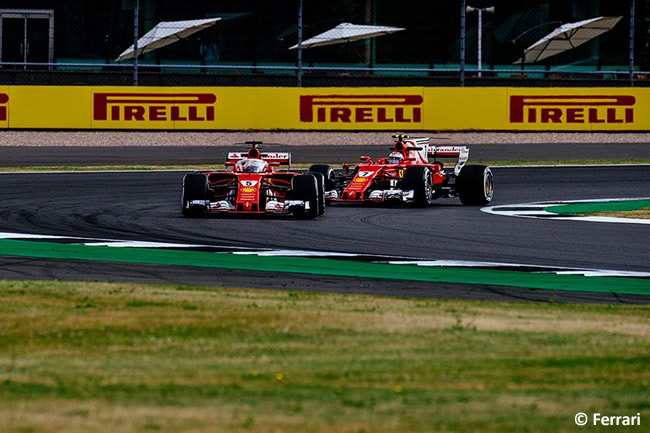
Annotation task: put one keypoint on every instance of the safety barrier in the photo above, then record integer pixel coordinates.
(290, 108)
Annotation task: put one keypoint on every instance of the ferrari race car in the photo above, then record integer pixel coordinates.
(408, 175)
(251, 185)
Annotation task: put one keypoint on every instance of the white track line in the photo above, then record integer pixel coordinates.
(536, 210)
(329, 254)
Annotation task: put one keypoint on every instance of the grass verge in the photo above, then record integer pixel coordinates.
(635, 214)
(80, 357)
(565, 162)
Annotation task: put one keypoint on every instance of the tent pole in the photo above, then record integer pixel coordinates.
(299, 72)
(136, 19)
(632, 16)
(462, 41)
(480, 40)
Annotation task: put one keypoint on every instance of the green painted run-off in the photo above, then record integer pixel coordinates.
(594, 207)
(322, 266)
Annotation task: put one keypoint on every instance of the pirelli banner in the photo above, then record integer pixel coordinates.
(273, 108)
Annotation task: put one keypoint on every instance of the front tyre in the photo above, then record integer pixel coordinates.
(195, 187)
(475, 185)
(420, 181)
(305, 187)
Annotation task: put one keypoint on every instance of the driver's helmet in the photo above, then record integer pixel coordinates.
(251, 166)
(395, 158)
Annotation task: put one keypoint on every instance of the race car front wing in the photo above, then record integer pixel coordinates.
(377, 195)
(272, 206)
(392, 194)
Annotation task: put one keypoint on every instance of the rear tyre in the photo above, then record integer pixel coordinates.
(419, 180)
(195, 187)
(305, 187)
(475, 185)
(328, 175)
(320, 181)
(327, 172)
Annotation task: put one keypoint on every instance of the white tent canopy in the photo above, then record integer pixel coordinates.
(568, 36)
(347, 32)
(166, 33)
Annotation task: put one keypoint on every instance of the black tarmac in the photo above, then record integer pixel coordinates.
(145, 206)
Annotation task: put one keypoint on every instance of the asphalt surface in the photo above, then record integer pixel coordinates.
(145, 206)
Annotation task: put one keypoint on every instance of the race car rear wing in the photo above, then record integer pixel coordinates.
(414, 149)
(460, 152)
(273, 158)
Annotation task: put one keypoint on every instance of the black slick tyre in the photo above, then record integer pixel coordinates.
(305, 187)
(320, 181)
(327, 172)
(419, 180)
(328, 176)
(195, 187)
(475, 185)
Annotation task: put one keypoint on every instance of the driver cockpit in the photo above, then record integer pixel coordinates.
(251, 166)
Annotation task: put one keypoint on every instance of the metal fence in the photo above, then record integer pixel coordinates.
(250, 43)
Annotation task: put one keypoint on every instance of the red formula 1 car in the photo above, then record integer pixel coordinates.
(408, 176)
(251, 185)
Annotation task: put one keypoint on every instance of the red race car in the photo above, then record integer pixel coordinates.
(251, 185)
(408, 176)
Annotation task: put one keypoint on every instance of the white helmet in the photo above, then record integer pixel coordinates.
(395, 158)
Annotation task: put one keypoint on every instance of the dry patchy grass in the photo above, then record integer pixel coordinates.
(637, 214)
(81, 357)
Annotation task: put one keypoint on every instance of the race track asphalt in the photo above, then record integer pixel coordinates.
(145, 206)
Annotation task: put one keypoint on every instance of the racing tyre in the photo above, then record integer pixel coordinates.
(419, 180)
(195, 187)
(305, 187)
(475, 185)
(320, 181)
(328, 175)
(327, 172)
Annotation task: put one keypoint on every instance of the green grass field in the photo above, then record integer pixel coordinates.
(114, 358)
